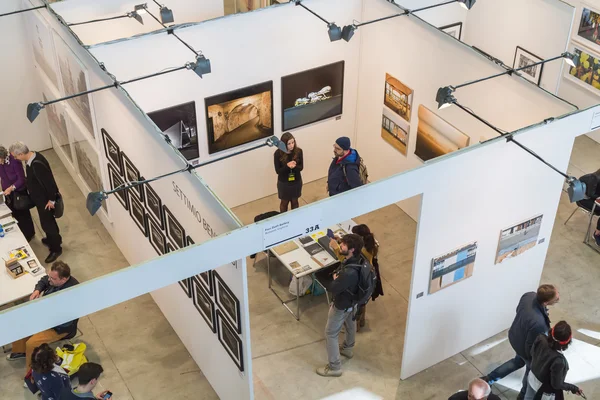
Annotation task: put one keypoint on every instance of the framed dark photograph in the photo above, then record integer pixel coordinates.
(239, 117)
(227, 302)
(524, 58)
(175, 231)
(156, 237)
(454, 30)
(178, 123)
(311, 96)
(185, 284)
(189, 241)
(138, 213)
(132, 174)
(205, 305)
(230, 341)
(205, 280)
(154, 205)
(115, 182)
(112, 151)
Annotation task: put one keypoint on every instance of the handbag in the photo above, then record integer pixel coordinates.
(31, 385)
(59, 206)
(21, 201)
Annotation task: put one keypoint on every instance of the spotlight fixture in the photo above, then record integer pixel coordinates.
(467, 4)
(444, 97)
(166, 14)
(571, 59)
(33, 110)
(94, 199)
(348, 32)
(201, 66)
(335, 32)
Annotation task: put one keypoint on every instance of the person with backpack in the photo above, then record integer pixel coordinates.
(345, 168)
(353, 284)
(592, 183)
(46, 375)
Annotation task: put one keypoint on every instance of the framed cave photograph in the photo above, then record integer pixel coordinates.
(175, 231)
(230, 340)
(112, 151)
(523, 58)
(157, 237)
(115, 182)
(205, 305)
(227, 302)
(154, 205)
(138, 213)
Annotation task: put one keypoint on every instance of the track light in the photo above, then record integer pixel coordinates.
(444, 97)
(94, 200)
(166, 15)
(335, 33)
(201, 66)
(467, 4)
(33, 110)
(348, 32)
(571, 59)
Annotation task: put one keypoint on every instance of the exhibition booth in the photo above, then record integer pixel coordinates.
(473, 194)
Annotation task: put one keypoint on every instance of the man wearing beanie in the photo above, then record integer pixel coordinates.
(344, 169)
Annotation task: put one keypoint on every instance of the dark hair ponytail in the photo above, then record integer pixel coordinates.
(560, 336)
(370, 243)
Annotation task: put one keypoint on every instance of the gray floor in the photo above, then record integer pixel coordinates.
(144, 358)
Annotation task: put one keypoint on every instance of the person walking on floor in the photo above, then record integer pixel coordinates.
(12, 178)
(288, 167)
(48, 377)
(343, 307)
(531, 320)
(549, 366)
(592, 182)
(44, 193)
(344, 171)
(478, 390)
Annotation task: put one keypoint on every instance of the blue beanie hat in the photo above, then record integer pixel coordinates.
(343, 142)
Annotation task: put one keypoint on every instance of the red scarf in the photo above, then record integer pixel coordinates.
(339, 160)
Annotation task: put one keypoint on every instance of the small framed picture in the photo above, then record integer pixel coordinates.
(227, 302)
(154, 206)
(112, 151)
(115, 182)
(230, 341)
(138, 213)
(157, 237)
(132, 174)
(454, 30)
(205, 280)
(185, 284)
(32, 264)
(189, 241)
(205, 305)
(524, 58)
(175, 231)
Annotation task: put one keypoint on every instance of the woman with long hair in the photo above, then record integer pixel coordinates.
(549, 366)
(288, 167)
(50, 378)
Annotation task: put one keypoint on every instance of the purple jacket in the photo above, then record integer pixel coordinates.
(12, 173)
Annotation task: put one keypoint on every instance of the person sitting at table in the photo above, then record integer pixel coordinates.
(592, 182)
(48, 377)
(58, 278)
(12, 178)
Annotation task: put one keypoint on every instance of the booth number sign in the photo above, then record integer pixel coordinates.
(312, 229)
(290, 225)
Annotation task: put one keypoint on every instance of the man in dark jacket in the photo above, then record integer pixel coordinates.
(344, 173)
(58, 278)
(478, 390)
(341, 313)
(531, 320)
(88, 374)
(43, 192)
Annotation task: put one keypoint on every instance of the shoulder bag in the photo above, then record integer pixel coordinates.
(59, 204)
(21, 201)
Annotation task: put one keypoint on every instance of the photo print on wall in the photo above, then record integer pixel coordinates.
(227, 302)
(112, 151)
(174, 229)
(454, 30)
(230, 341)
(518, 238)
(43, 46)
(398, 97)
(57, 125)
(116, 181)
(205, 305)
(154, 206)
(587, 73)
(239, 117)
(311, 96)
(394, 130)
(436, 137)
(132, 174)
(523, 58)
(156, 237)
(186, 284)
(588, 30)
(453, 267)
(178, 123)
(138, 213)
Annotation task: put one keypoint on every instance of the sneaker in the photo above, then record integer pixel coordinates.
(597, 238)
(346, 352)
(15, 356)
(326, 371)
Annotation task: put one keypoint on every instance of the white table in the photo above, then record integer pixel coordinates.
(302, 257)
(14, 289)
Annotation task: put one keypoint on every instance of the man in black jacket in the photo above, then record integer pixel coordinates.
(531, 320)
(43, 192)
(478, 390)
(344, 171)
(58, 278)
(341, 313)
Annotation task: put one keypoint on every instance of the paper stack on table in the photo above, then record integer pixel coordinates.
(4, 211)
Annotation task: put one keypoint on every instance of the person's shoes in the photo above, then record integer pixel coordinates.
(45, 242)
(15, 356)
(326, 371)
(25, 385)
(597, 238)
(346, 352)
(53, 256)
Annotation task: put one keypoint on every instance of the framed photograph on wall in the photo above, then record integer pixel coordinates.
(588, 30)
(454, 30)
(523, 58)
(230, 341)
(453, 267)
(312, 96)
(138, 213)
(175, 231)
(205, 280)
(398, 97)
(178, 123)
(437, 137)
(189, 241)
(239, 117)
(518, 238)
(132, 174)
(115, 182)
(43, 46)
(205, 305)
(154, 205)
(186, 284)
(587, 73)
(227, 302)
(157, 237)
(112, 151)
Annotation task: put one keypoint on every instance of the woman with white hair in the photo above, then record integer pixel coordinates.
(12, 179)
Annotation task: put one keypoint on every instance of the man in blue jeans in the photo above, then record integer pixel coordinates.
(342, 311)
(531, 321)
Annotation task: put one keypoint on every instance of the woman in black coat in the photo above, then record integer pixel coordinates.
(288, 167)
(549, 366)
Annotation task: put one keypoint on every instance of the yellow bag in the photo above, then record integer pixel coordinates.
(72, 359)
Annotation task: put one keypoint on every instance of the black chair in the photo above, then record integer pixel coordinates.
(259, 218)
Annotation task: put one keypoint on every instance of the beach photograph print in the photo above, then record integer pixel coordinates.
(394, 130)
(239, 117)
(587, 73)
(178, 123)
(436, 137)
(398, 97)
(43, 46)
(311, 96)
(453, 267)
(518, 238)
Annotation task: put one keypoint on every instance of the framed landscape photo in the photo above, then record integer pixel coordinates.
(157, 237)
(398, 97)
(523, 58)
(452, 267)
(138, 213)
(587, 72)
(112, 151)
(175, 231)
(154, 205)
(454, 30)
(518, 238)
(115, 182)
(178, 123)
(205, 305)
(230, 340)
(132, 174)
(227, 302)
(437, 137)
(588, 33)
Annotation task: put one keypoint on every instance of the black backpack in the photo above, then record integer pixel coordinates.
(367, 281)
(591, 185)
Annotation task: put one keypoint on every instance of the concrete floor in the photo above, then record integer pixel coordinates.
(153, 363)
